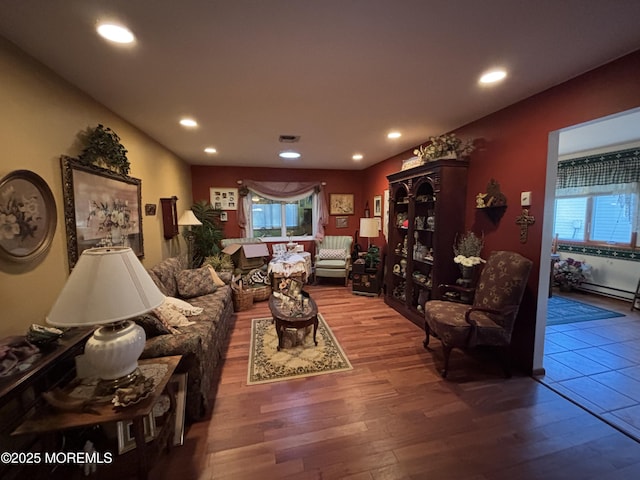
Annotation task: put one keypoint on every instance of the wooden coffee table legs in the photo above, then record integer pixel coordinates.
(282, 324)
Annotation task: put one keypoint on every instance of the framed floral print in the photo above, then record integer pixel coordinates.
(341, 204)
(27, 216)
(102, 208)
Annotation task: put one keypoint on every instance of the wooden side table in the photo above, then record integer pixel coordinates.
(51, 422)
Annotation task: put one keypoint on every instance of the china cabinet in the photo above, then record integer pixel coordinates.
(426, 212)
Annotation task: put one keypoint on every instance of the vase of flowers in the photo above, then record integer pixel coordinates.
(466, 252)
(444, 146)
(569, 273)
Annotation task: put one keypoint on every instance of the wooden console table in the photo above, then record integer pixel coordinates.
(50, 422)
(20, 392)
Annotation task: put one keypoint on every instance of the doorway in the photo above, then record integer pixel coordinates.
(595, 364)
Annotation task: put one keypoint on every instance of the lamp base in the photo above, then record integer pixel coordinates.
(114, 349)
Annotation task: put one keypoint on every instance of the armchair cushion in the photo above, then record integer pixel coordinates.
(332, 254)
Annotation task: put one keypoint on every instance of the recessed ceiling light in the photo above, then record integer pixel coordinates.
(210, 150)
(394, 135)
(357, 157)
(493, 76)
(115, 33)
(188, 122)
(289, 154)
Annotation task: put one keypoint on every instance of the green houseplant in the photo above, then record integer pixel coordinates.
(102, 147)
(206, 237)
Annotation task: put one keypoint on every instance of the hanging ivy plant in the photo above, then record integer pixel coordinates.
(103, 147)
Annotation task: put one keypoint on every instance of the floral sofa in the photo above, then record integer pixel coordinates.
(202, 343)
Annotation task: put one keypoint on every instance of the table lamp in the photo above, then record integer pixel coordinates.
(369, 229)
(188, 219)
(107, 287)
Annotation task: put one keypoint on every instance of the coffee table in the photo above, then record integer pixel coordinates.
(284, 318)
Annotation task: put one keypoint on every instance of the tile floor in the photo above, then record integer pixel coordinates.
(597, 364)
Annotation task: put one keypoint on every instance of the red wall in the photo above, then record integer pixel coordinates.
(337, 181)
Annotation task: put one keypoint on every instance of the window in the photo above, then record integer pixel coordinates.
(275, 219)
(596, 218)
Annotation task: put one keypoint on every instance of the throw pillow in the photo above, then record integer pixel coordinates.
(152, 326)
(332, 254)
(183, 307)
(171, 316)
(214, 276)
(195, 283)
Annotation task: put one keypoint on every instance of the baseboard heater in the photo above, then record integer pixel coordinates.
(606, 291)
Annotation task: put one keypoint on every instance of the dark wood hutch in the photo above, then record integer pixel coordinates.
(426, 213)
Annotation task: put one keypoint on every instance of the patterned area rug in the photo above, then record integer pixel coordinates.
(299, 357)
(562, 310)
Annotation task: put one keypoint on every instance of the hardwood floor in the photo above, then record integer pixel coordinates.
(392, 416)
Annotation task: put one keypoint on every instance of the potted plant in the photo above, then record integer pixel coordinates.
(467, 251)
(444, 146)
(569, 273)
(207, 237)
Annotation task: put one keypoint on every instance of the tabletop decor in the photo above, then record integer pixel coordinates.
(467, 250)
(27, 216)
(267, 364)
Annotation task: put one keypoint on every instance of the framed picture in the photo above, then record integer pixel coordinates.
(295, 288)
(149, 209)
(224, 198)
(101, 208)
(27, 216)
(178, 382)
(223, 216)
(126, 438)
(377, 206)
(341, 204)
(342, 222)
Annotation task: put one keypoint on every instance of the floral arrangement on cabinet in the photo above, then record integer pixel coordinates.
(570, 273)
(444, 146)
(467, 250)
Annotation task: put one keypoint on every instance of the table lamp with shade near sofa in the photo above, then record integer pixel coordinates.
(107, 287)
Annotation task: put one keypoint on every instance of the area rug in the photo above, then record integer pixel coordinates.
(562, 310)
(300, 357)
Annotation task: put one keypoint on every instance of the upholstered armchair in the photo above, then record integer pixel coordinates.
(333, 257)
(490, 319)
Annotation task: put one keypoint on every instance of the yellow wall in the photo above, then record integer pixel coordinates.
(40, 118)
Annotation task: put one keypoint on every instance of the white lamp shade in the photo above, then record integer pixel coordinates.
(369, 227)
(188, 218)
(107, 285)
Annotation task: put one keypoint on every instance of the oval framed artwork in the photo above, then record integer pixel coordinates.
(27, 216)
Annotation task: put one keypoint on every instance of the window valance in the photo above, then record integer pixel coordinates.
(618, 167)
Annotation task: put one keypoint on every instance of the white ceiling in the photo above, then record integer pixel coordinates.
(339, 73)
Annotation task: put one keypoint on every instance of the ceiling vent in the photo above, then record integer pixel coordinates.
(289, 138)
